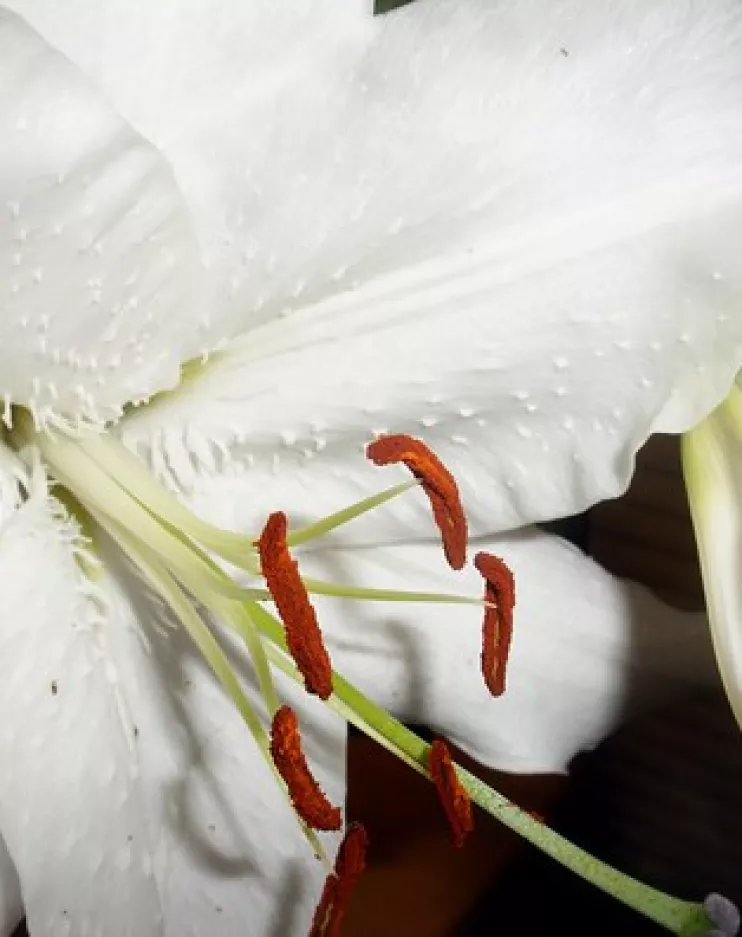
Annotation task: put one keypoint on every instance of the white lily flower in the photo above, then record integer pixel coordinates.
(511, 229)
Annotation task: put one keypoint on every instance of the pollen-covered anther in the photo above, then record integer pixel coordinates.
(437, 483)
(497, 628)
(306, 795)
(349, 864)
(451, 792)
(303, 635)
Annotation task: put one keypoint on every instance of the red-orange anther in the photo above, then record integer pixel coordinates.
(437, 483)
(350, 863)
(497, 629)
(303, 635)
(454, 798)
(306, 795)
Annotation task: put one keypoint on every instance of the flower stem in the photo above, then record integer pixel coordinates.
(685, 918)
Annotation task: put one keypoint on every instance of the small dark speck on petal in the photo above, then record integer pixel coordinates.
(55, 687)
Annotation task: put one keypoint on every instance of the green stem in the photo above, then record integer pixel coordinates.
(685, 918)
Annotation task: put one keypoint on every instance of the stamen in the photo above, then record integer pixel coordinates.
(306, 795)
(452, 794)
(437, 483)
(497, 629)
(303, 635)
(350, 863)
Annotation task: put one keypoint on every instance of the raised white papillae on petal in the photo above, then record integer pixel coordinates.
(98, 265)
(510, 229)
(229, 856)
(588, 649)
(71, 810)
(712, 464)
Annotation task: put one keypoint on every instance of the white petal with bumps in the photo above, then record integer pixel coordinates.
(510, 228)
(244, 100)
(98, 262)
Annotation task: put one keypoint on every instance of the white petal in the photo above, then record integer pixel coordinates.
(712, 462)
(70, 808)
(540, 255)
(99, 265)
(244, 99)
(588, 650)
(138, 802)
(229, 854)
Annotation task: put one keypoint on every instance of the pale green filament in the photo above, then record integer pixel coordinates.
(320, 587)
(169, 545)
(320, 528)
